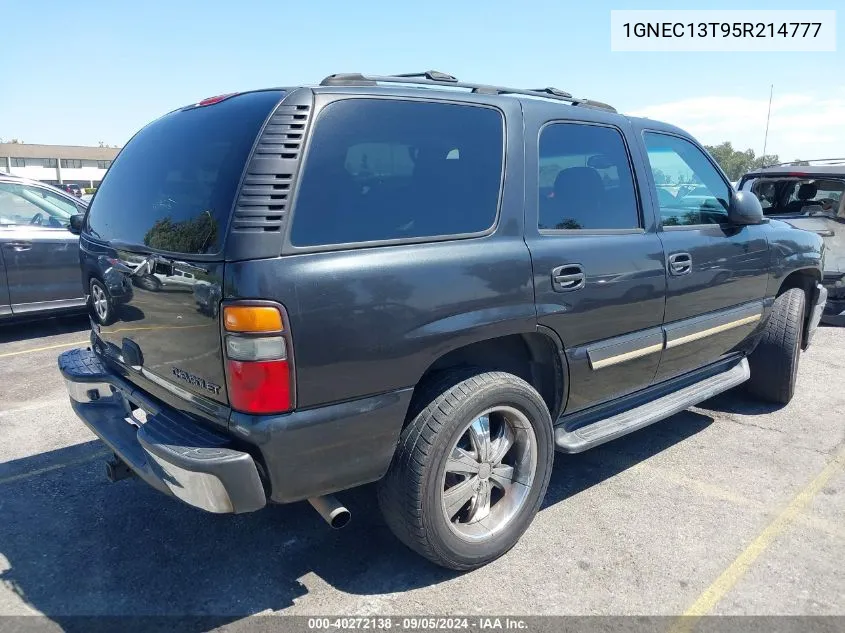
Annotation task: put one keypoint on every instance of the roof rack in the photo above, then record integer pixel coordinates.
(437, 78)
(814, 162)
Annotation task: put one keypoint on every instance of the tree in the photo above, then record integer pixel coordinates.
(735, 163)
(661, 178)
(187, 236)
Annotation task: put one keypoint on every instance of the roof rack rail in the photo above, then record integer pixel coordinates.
(813, 162)
(437, 78)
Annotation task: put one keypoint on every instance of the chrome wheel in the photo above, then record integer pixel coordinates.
(489, 473)
(99, 301)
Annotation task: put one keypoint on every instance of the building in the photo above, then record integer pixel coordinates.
(57, 164)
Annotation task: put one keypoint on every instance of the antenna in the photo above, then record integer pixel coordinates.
(768, 115)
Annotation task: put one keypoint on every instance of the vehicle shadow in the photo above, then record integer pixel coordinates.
(28, 329)
(129, 313)
(575, 473)
(738, 401)
(80, 547)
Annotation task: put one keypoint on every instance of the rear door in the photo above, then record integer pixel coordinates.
(598, 264)
(154, 238)
(40, 255)
(717, 273)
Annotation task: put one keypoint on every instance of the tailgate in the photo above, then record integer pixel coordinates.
(167, 323)
(155, 234)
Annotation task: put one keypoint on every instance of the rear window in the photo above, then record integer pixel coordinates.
(791, 195)
(384, 170)
(173, 186)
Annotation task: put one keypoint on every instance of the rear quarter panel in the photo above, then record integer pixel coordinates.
(372, 319)
(791, 250)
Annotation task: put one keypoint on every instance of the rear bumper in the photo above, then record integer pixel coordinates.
(169, 451)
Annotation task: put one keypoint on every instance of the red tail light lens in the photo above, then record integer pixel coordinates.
(258, 374)
(212, 100)
(259, 386)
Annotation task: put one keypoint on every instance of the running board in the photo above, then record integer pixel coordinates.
(602, 431)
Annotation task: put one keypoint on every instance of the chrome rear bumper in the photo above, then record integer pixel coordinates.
(166, 449)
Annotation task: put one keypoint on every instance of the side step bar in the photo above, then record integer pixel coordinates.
(602, 431)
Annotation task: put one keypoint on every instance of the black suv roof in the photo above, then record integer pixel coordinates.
(437, 83)
(437, 78)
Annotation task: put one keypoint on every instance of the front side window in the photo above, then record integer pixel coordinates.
(32, 206)
(381, 169)
(690, 190)
(585, 179)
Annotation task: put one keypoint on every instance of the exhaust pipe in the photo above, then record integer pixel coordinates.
(332, 511)
(116, 469)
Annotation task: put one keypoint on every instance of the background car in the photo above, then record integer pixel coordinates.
(39, 256)
(811, 197)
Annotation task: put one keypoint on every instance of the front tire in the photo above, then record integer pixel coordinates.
(471, 469)
(102, 305)
(774, 362)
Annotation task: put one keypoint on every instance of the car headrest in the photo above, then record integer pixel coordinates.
(807, 191)
(578, 180)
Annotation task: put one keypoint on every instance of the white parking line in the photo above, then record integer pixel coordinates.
(41, 349)
(47, 469)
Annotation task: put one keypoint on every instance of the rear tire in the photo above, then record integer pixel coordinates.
(774, 362)
(471, 469)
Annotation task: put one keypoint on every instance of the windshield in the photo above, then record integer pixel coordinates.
(173, 186)
(790, 195)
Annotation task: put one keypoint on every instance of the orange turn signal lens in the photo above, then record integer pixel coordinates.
(252, 319)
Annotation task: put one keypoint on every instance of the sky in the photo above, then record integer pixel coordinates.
(86, 72)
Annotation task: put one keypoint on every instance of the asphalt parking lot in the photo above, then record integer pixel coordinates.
(730, 508)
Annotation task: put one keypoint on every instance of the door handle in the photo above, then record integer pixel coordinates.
(680, 263)
(19, 246)
(568, 278)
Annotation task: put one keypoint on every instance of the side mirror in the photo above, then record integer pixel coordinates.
(745, 208)
(76, 223)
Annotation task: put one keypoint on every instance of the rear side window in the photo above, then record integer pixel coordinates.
(585, 179)
(381, 169)
(173, 186)
(798, 195)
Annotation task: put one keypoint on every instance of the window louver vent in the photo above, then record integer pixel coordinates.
(265, 193)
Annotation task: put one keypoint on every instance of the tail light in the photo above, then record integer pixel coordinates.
(259, 375)
(212, 100)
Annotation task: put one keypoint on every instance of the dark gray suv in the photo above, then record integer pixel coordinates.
(422, 282)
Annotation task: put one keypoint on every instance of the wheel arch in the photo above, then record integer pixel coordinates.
(537, 357)
(805, 279)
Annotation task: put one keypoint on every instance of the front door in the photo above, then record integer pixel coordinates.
(598, 264)
(717, 272)
(41, 256)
